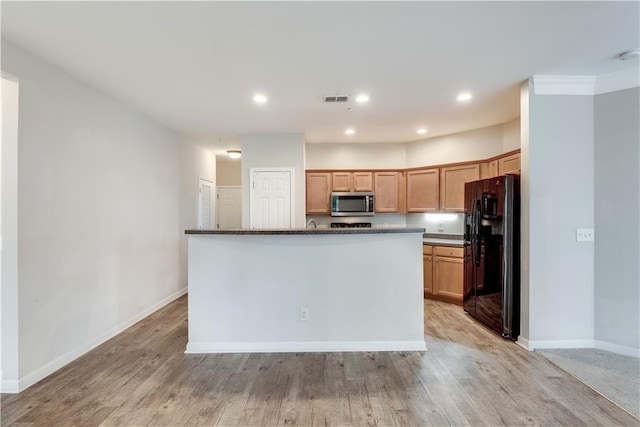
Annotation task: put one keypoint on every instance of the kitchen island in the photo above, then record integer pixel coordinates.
(297, 290)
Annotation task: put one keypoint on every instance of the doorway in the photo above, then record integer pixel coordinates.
(271, 197)
(229, 203)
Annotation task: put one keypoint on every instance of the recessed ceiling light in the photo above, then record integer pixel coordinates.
(349, 131)
(362, 98)
(464, 96)
(422, 130)
(260, 98)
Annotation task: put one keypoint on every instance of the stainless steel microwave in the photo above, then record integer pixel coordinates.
(352, 204)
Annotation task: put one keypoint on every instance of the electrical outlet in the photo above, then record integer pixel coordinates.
(304, 314)
(440, 226)
(584, 235)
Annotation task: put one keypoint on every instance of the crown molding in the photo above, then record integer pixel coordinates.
(620, 80)
(586, 85)
(564, 85)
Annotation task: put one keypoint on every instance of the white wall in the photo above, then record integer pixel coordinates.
(98, 216)
(460, 147)
(511, 135)
(228, 172)
(274, 151)
(355, 156)
(560, 169)
(196, 162)
(9, 231)
(617, 204)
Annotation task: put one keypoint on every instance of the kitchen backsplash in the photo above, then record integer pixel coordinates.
(445, 223)
(378, 220)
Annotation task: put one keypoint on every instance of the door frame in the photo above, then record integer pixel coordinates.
(292, 207)
(212, 184)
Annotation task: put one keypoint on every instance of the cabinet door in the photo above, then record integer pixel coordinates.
(386, 191)
(448, 278)
(427, 265)
(341, 181)
(362, 181)
(423, 191)
(452, 180)
(488, 169)
(509, 164)
(318, 188)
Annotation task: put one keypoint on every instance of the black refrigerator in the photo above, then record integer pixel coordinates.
(492, 259)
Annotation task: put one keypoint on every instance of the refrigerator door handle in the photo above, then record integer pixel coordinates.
(475, 242)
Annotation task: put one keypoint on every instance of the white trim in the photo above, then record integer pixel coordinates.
(205, 180)
(46, 370)
(543, 344)
(564, 85)
(292, 190)
(524, 343)
(10, 386)
(619, 349)
(303, 346)
(586, 85)
(620, 80)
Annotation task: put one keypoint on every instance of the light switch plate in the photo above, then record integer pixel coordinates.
(584, 235)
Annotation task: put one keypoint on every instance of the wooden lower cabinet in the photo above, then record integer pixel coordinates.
(427, 265)
(446, 279)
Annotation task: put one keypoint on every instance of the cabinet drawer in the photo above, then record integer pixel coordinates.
(449, 251)
(427, 249)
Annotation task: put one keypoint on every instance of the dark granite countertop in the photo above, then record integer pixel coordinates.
(307, 231)
(441, 239)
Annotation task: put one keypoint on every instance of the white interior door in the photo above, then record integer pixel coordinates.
(271, 198)
(206, 204)
(229, 203)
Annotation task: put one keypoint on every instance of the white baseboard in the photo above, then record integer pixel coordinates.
(619, 349)
(543, 344)
(524, 343)
(303, 346)
(33, 377)
(10, 386)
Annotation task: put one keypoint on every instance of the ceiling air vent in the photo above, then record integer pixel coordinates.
(336, 98)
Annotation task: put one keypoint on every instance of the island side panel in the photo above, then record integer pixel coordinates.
(363, 292)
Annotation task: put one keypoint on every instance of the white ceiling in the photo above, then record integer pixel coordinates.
(195, 66)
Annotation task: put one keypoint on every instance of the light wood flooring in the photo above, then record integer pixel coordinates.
(468, 376)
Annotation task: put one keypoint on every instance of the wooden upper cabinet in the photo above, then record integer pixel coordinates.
(509, 164)
(387, 191)
(452, 180)
(362, 181)
(488, 169)
(318, 188)
(423, 190)
(352, 181)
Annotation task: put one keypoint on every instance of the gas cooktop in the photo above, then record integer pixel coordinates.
(350, 225)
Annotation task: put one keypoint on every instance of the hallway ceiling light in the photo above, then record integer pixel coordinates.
(234, 154)
(362, 98)
(422, 131)
(349, 131)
